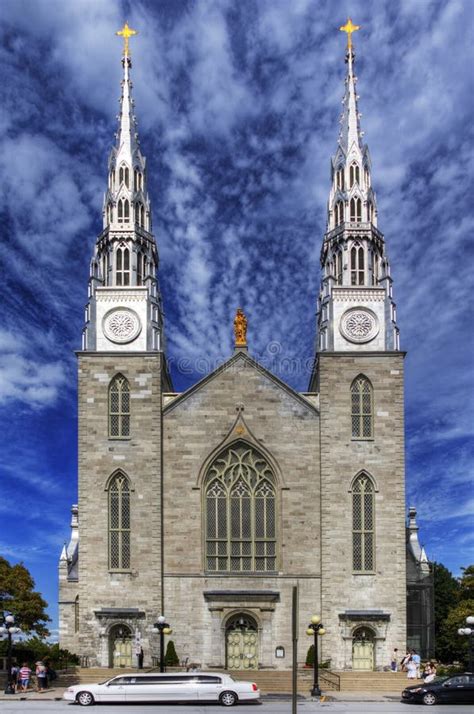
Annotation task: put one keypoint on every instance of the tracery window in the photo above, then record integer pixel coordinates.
(119, 407)
(240, 512)
(123, 211)
(354, 174)
(356, 210)
(363, 525)
(337, 266)
(122, 266)
(124, 176)
(339, 213)
(357, 265)
(119, 523)
(362, 408)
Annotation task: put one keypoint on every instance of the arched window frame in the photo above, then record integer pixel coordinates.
(363, 524)
(119, 408)
(357, 264)
(119, 522)
(124, 175)
(355, 210)
(340, 178)
(122, 265)
(240, 514)
(339, 213)
(362, 408)
(354, 174)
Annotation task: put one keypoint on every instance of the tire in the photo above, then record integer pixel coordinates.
(228, 699)
(85, 699)
(429, 699)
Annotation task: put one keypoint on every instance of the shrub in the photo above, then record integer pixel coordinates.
(171, 658)
(310, 656)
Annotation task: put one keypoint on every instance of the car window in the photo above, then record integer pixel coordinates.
(207, 679)
(119, 681)
(455, 681)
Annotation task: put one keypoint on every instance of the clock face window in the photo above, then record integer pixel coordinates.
(359, 325)
(121, 325)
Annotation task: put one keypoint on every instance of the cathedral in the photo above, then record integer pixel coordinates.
(206, 507)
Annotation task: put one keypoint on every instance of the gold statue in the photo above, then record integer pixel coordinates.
(240, 328)
(349, 27)
(126, 32)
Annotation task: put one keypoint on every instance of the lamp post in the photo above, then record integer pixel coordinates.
(469, 631)
(316, 629)
(9, 629)
(162, 627)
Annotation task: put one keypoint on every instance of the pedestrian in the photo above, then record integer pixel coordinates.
(394, 662)
(404, 662)
(140, 658)
(25, 674)
(411, 669)
(15, 670)
(432, 672)
(41, 677)
(417, 660)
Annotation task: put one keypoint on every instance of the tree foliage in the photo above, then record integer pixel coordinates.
(17, 596)
(171, 658)
(454, 601)
(310, 656)
(466, 585)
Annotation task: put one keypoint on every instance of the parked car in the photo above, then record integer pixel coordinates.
(458, 688)
(153, 687)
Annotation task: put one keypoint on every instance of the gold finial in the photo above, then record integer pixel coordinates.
(126, 32)
(240, 328)
(349, 27)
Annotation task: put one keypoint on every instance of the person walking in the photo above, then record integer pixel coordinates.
(14, 674)
(417, 660)
(405, 661)
(41, 677)
(25, 674)
(394, 661)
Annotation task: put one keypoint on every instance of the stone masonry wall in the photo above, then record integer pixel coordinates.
(341, 459)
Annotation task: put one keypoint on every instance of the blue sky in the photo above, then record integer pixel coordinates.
(238, 106)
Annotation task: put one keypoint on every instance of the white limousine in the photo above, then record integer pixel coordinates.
(153, 687)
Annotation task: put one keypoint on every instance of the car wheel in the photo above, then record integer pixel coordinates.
(429, 698)
(228, 699)
(85, 699)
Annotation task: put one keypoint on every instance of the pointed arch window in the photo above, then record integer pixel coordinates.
(337, 266)
(363, 525)
(124, 176)
(362, 408)
(339, 213)
(357, 264)
(76, 614)
(119, 523)
(356, 210)
(240, 512)
(141, 267)
(123, 210)
(375, 268)
(122, 265)
(142, 215)
(366, 177)
(354, 174)
(340, 179)
(370, 212)
(119, 408)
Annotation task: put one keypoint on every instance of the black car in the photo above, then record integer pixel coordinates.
(459, 688)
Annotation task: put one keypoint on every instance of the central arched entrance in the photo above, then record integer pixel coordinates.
(363, 649)
(242, 642)
(120, 646)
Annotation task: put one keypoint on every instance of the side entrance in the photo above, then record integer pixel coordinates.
(241, 643)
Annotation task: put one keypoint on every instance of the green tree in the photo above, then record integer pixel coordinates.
(171, 658)
(466, 584)
(453, 647)
(310, 656)
(446, 596)
(17, 595)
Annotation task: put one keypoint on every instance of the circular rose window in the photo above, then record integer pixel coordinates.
(122, 325)
(359, 325)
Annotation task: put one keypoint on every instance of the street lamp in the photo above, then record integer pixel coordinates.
(163, 628)
(315, 628)
(469, 631)
(9, 629)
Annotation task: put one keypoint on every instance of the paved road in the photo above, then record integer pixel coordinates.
(267, 707)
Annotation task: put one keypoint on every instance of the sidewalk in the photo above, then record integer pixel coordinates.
(50, 694)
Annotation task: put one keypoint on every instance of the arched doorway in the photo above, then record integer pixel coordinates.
(120, 646)
(242, 642)
(363, 649)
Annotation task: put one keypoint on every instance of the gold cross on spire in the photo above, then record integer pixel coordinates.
(349, 27)
(126, 32)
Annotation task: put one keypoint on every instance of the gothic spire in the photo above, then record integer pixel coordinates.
(127, 136)
(350, 125)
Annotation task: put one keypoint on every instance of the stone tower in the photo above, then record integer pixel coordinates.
(359, 376)
(117, 582)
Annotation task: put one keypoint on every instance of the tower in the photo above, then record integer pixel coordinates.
(359, 376)
(110, 595)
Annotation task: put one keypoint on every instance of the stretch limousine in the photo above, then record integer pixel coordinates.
(152, 687)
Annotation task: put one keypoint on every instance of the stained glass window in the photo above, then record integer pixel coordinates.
(363, 525)
(240, 512)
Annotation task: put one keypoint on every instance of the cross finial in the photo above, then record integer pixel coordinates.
(126, 32)
(349, 27)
